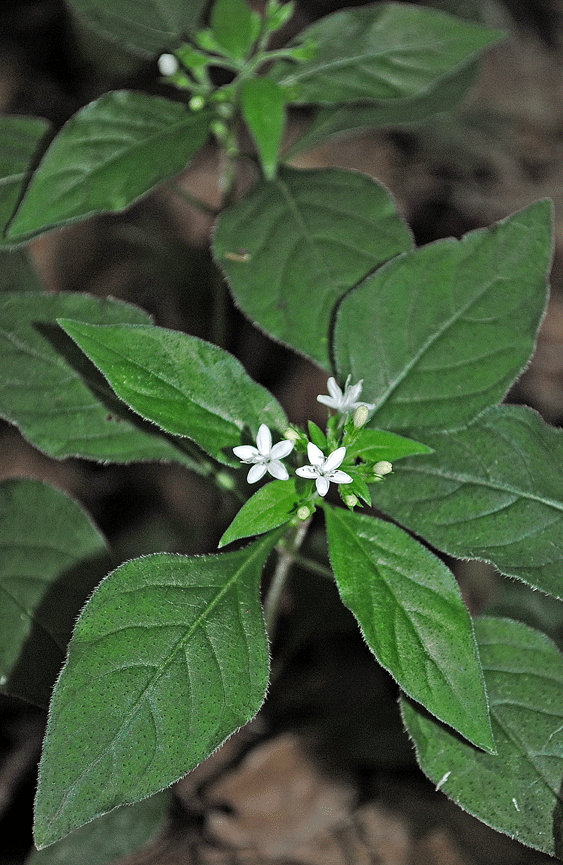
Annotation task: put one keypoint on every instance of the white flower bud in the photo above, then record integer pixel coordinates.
(383, 467)
(304, 513)
(167, 64)
(351, 501)
(291, 435)
(196, 103)
(360, 416)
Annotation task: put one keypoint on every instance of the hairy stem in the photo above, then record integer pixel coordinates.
(286, 557)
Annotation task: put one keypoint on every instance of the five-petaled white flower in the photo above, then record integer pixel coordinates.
(346, 402)
(324, 469)
(265, 458)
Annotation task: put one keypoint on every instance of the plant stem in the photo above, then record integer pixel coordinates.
(286, 557)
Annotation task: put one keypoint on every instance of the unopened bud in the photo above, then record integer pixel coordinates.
(167, 64)
(225, 480)
(291, 435)
(360, 416)
(196, 103)
(351, 501)
(304, 512)
(383, 467)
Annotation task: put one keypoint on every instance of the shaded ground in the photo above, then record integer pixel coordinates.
(308, 782)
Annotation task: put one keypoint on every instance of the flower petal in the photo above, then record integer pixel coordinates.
(256, 472)
(307, 472)
(333, 460)
(281, 450)
(316, 456)
(322, 486)
(278, 470)
(334, 389)
(339, 477)
(328, 401)
(264, 440)
(245, 452)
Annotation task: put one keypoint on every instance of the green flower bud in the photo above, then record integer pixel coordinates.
(351, 501)
(196, 103)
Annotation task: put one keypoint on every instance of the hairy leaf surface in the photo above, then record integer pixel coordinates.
(517, 790)
(382, 51)
(187, 386)
(411, 614)
(20, 138)
(45, 538)
(293, 246)
(439, 334)
(492, 491)
(109, 154)
(146, 27)
(59, 400)
(168, 658)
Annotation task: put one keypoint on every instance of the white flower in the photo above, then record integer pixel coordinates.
(167, 64)
(265, 458)
(344, 402)
(324, 470)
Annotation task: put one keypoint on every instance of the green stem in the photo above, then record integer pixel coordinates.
(312, 566)
(191, 199)
(286, 557)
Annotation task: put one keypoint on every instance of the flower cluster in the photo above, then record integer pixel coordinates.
(324, 470)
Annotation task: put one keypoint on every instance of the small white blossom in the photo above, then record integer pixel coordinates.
(324, 470)
(265, 458)
(346, 402)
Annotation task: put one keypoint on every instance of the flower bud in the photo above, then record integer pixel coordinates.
(351, 501)
(291, 435)
(360, 416)
(167, 64)
(383, 467)
(304, 513)
(196, 103)
(225, 480)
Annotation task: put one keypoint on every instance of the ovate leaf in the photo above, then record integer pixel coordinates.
(293, 246)
(382, 51)
(329, 121)
(450, 326)
(20, 138)
(492, 491)
(108, 155)
(108, 838)
(517, 790)
(410, 611)
(168, 658)
(147, 27)
(59, 401)
(270, 507)
(47, 541)
(235, 26)
(263, 108)
(377, 444)
(187, 386)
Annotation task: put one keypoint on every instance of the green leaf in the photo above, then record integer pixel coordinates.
(293, 246)
(411, 614)
(187, 386)
(375, 445)
(17, 272)
(20, 138)
(492, 491)
(384, 51)
(108, 155)
(270, 507)
(146, 27)
(517, 790)
(59, 401)
(235, 26)
(46, 539)
(263, 108)
(330, 120)
(108, 838)
(452, 324)
(168, 658)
